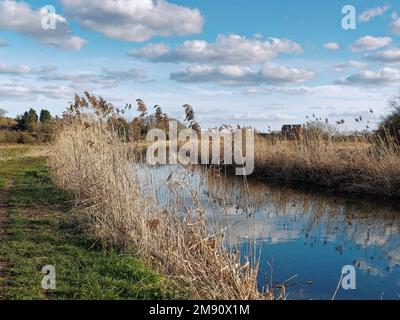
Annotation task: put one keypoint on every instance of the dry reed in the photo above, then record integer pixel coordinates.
(369, 166)
(90, 161)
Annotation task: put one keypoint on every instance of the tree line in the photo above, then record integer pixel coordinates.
(29, 127)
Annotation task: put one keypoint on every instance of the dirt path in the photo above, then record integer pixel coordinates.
(3, 224)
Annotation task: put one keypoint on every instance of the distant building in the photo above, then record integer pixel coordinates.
(292, 131)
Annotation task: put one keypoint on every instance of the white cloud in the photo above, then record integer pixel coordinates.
(129, 20)
(354, 114)
(372, 13)
(240, 75)
(332, 46)
(351, 64)
(369, 43)
(280, 74)
(288, 90)
(229, 75)
(14, 70)
(124, 75)
(151, 51)
(384, 76)
(227, 49)
(10, 90)
(20, 17)
(330, 92)
(22, 70)
(18, 91)
(395, 26)
(260, 117)
(386, 56)
(106, 78)
(52, 91)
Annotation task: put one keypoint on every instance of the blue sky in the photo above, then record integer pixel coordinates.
(260, 63)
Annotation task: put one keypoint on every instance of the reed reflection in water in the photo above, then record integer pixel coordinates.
(297, 235)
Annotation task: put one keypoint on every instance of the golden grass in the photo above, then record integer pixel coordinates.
(89, 160)
(370, 166)
(18, 151)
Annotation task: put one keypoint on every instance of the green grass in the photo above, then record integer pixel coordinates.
(16, 151)
(41, 231)
(2, 183)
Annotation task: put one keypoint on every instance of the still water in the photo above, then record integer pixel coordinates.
(304, 237)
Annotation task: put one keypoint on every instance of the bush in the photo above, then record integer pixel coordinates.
(390, 126)
(25, 138)
(7, 136)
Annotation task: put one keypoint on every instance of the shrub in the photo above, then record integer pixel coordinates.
(7, 136)
(389, 129)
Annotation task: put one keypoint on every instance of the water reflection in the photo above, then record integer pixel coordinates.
(299, 234)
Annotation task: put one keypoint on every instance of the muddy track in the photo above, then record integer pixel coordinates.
(3, 226)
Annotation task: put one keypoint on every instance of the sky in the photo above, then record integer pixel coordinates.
(254, 62)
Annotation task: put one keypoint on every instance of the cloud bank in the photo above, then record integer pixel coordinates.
(134, 21)
(227, 49)
(20, 17)
(370, 43)
(239, 75)
(372, 13)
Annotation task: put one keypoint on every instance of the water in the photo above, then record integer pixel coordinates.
(304, 237)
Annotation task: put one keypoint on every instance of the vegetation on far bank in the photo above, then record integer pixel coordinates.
(42, 230)
(27, 128)
(360, 164)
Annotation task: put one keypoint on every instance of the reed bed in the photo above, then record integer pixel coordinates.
(89, 160)
(368, 166)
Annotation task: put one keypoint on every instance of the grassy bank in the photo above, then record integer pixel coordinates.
(366, 167)
(18, 151)
(42, 230)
